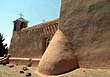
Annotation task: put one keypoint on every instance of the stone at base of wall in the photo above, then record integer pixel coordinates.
(24, 61)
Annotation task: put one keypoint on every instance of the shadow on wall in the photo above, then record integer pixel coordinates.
(59, 57)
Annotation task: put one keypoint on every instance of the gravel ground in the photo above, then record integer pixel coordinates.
(6, 71)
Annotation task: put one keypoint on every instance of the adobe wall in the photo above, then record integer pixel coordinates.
(29, 42)
(84, 38)
(86, 24)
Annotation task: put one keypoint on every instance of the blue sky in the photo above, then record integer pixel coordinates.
(35, 11)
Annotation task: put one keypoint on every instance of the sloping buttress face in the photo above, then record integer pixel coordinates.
(82, 40)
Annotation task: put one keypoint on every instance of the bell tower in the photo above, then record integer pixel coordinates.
(20, 23)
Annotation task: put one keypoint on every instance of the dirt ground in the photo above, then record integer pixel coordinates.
(6, 71)
(83, 72)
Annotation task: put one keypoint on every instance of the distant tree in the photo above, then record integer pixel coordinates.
(3, 47)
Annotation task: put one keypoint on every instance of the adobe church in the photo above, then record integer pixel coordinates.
(31, 42)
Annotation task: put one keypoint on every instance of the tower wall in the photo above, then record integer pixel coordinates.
(19, 24)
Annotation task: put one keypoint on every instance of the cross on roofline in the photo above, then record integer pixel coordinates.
(20, 14)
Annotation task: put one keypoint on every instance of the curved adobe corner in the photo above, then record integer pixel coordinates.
(85, 24)
(58, 56)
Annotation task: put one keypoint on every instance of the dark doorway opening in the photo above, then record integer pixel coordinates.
(22, 25)
(45, 43)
